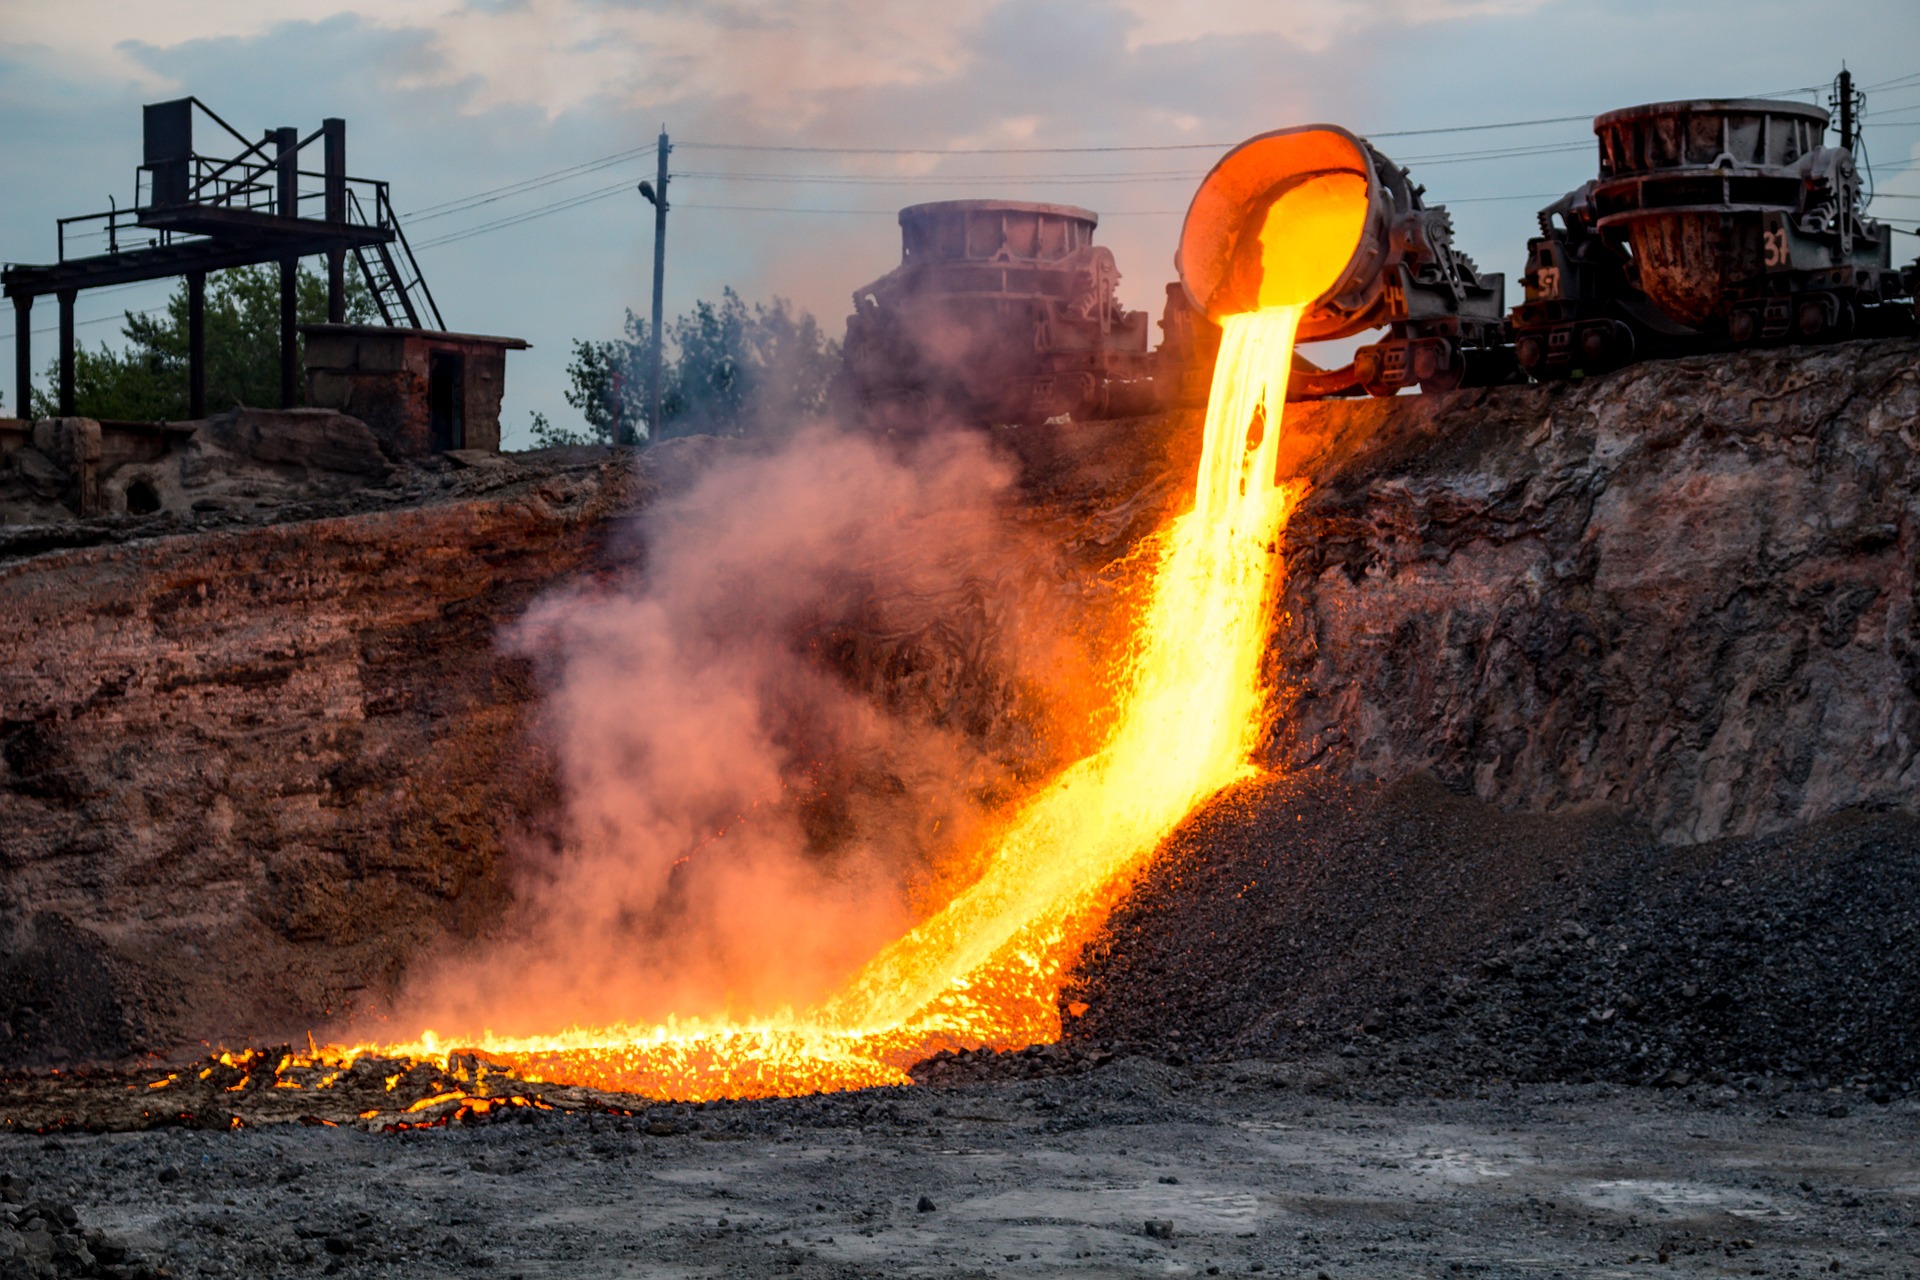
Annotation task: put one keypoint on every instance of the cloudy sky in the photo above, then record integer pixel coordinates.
(559, 101)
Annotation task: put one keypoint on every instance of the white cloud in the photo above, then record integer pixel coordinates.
(100, 37)
(776, 56)
(1312, 24)
(773, 57)
(558, 55)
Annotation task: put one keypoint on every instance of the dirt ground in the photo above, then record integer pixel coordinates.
(1132, 1168)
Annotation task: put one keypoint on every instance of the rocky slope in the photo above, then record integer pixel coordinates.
(1685, 590)
(247, 771)
(253, 762)
(1418, 933)
(1596, 733)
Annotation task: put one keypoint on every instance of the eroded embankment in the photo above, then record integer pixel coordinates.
(247, 773)
(1598, 716)
(248, 776)
(1685, 590)
(1431, 936)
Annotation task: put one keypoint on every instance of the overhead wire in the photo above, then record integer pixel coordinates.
(607, 192)
(447, 208)
(795, 149)
(492, 195)
(508, 191)
(8, 335)
(572, 202)
(1058, 179)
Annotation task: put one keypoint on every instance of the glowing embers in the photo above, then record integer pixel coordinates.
(1308, 237)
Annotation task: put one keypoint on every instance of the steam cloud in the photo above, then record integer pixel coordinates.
(777, 734)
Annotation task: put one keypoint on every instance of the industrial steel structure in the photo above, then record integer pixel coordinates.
(1712, 224)
(1000, 311)
(1443, 317)
(193, 213)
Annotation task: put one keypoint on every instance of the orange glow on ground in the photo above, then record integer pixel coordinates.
(986, 968)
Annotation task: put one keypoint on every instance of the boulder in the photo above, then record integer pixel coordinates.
(317, 440)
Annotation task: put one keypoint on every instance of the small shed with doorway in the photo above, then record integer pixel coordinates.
(420, 390)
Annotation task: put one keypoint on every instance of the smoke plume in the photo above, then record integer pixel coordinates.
(777, 732)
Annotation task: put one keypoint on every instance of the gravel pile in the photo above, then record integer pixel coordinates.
(1435, 938)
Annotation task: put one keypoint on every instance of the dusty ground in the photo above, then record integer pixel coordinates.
(1287, 1170)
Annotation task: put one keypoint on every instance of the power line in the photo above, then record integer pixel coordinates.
(447, 208)
(1165, 146)
(493, 195)
(1104, 177)
(591, 197)
(769, 208)
(1474, 157)
(1105, 213)
(948, 179)
(1530, 195)
(769, 148)
(81, 324)
(927, 179)
(558, 206)
(1911, 77)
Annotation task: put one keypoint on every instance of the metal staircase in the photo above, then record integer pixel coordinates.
(396, 282)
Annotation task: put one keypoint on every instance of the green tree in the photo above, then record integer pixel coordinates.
(727, 370)
(145, 380)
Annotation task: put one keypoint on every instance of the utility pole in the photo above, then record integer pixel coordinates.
(656, 194)
(1843, 98)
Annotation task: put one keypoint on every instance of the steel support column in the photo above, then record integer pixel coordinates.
(286, 144)
(66, 352)
(23, 356)
(289, 332)
(333, 135)
(196, 344)
(336, 286)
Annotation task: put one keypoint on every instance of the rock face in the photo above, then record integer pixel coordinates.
(245, 461)
(247, 772)
(253, 761)
(1685, 590)
(251, 766)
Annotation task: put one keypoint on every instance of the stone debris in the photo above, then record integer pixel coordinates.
(1410, 933)
(44, 1240)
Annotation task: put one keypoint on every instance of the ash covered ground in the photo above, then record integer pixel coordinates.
(1134, 1166)
(1336, 1030)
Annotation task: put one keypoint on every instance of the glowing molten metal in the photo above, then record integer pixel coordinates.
(986, 968)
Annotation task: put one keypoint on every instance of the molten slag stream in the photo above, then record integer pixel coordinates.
(986, 968)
